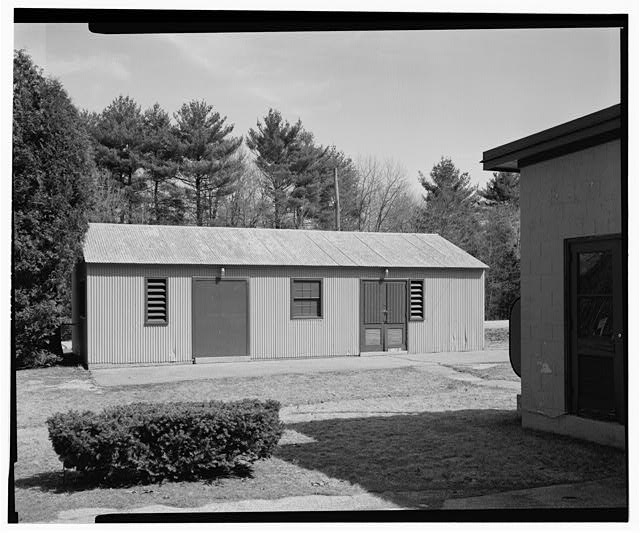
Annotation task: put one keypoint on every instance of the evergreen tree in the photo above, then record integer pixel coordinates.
(449, 206)
(500, 250)
(310, 175)
(158, 151)
(503, 187)
(118, 135)
(51, 196)
(501, 242)
(206, 152)
(281, 154)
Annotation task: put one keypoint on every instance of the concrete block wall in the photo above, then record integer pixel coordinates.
(574, 195)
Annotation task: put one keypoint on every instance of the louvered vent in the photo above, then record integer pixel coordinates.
(156, 300)
(417, 299)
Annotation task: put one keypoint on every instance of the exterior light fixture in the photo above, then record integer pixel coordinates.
(222, 272)
(385, 273)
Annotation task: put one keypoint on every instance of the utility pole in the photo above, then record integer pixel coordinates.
(335, 181)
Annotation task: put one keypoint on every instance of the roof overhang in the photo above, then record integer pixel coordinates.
(578, 134)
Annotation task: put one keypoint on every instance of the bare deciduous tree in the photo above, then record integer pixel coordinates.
(384, 201)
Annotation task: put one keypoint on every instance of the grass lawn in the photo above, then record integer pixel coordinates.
(413, 436)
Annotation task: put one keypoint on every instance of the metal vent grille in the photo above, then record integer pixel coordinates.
(416, 299)
(156, 308)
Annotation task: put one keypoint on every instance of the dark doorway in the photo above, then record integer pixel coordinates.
(220, 323)
(595, 340)
(383, 315)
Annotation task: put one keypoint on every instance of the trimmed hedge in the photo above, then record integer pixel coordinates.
(144, 442)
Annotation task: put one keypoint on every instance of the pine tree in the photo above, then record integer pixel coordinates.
(158, 150)
(449, 206)
(51, 196)
(500, 249)
(118, 135)
(281, 155)
(503, 187)
(206, 152)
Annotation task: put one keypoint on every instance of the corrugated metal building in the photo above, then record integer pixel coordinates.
(161, 294)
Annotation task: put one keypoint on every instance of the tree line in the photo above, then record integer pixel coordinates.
(151, 169)
(129, 165)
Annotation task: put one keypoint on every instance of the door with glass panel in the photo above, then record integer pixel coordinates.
(596, 355)
(383, 315)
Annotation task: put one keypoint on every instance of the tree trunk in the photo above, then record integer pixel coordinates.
(198, 201)
(155, 202)
(130, 197)
(276, 211)
(213, 212)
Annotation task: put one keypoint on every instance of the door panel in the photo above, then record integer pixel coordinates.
(396, 305)
(596, 351)
(220, 322)
(395, 314)
(371, 307)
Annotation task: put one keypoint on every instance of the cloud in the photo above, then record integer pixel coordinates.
(192, 48)
(114, 67)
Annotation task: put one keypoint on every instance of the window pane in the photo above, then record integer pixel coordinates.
(595, 274)
(306, 308)
(594, 316)
(306, 289)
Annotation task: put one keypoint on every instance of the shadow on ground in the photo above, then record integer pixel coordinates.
(418, 461)
(71, 481)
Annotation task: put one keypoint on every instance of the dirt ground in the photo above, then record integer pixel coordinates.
(412, 436)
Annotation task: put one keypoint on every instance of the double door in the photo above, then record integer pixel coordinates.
(383, 315)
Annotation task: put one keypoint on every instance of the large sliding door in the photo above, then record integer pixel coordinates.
(383, 315)
(220, 317)
(596, 360)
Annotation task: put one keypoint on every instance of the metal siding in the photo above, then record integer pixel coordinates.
(116, 332)
(116, 329)
(274, 335)
(453, 313)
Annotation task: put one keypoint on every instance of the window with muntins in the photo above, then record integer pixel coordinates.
(416, 299)
(156, 301)
(306, 298)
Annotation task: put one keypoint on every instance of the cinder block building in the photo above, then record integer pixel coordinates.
(170, 294)
(573, 352)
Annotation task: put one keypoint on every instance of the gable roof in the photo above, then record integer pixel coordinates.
(590, 130)
(194, 245)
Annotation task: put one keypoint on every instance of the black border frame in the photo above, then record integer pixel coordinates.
(132, 21)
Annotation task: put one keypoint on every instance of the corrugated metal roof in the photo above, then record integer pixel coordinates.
(193, 245)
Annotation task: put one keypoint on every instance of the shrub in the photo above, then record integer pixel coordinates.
(144, 442)
(51, 196)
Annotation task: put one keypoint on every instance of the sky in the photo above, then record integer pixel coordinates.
(410, 96)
